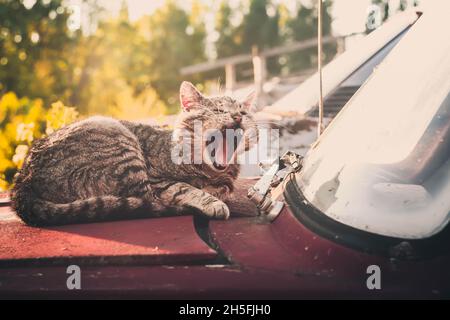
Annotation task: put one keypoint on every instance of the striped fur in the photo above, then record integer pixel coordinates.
(101, 168)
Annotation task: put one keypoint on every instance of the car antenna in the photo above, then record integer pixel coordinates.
(319, 67)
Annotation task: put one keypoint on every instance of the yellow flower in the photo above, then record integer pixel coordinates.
(3, 184)
(5, 164)
(25, 132)
(20, 154)
(59, 116)
(8, 102)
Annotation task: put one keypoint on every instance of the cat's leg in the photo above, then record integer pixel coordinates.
(131, 175)
(182, 196)
(139, 185)
(221, 192)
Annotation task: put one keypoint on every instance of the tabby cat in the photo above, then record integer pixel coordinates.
(101, 168)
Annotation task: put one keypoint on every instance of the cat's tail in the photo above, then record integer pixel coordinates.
(38, 212)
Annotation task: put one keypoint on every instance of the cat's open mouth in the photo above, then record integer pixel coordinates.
(222, 146)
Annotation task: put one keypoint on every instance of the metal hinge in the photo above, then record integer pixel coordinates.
(266, 191)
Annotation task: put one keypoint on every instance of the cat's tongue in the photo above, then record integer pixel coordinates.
(221, 153)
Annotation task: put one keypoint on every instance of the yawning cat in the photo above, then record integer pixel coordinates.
(102, 168)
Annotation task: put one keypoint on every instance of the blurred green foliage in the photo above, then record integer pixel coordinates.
(305, 27)
(266, 24)
(32, 46)
(387, 10)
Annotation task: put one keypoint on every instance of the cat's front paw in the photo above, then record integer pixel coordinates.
(217, 210)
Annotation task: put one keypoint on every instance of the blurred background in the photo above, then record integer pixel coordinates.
(62, 60)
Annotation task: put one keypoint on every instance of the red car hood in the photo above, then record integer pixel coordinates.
(167, 257)
(171, 240)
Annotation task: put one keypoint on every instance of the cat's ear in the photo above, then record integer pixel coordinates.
(190, 97)
(249, 102)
